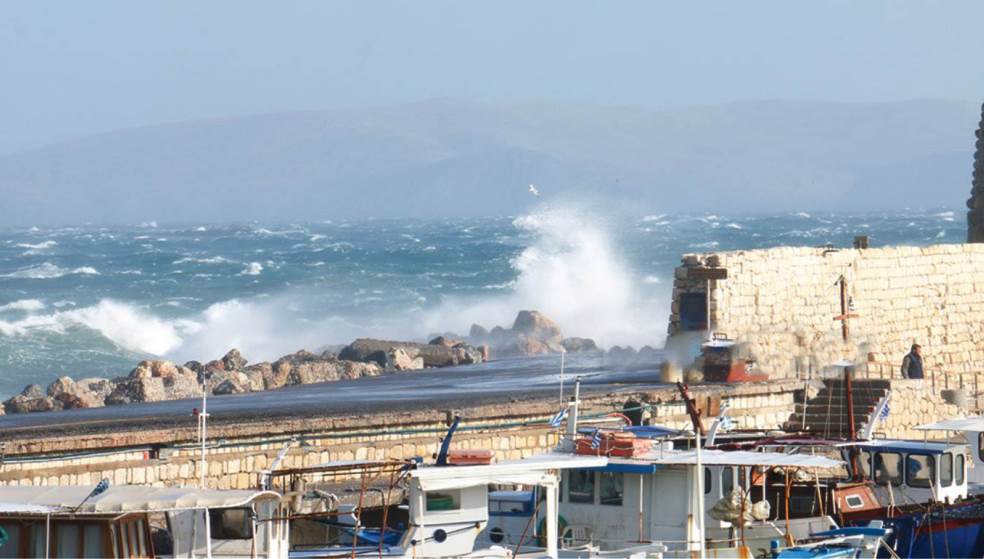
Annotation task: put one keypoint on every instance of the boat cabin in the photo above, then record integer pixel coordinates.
(912, 470)
(972, 429)
(71, 521)
(656, 498)
(448, 508)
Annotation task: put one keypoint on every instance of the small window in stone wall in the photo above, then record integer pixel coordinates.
(693, 311)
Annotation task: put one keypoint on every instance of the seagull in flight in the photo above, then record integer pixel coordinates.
(534, 191)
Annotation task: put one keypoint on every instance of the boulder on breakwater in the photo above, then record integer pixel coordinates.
(399, 356)
(158, 380)
(532, 333)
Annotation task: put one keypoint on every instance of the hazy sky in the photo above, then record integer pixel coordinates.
(74, 68)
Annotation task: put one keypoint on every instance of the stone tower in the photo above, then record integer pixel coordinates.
(975, 217)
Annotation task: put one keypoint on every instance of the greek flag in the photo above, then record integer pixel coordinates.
(883, 414)
(101, 487)
(559, 418)
(596, 439)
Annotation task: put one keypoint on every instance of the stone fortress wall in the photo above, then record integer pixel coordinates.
(781, 304)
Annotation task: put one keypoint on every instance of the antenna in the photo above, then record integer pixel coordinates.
(563, 352)
(203, 427)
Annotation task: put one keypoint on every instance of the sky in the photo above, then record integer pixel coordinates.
(71, 69)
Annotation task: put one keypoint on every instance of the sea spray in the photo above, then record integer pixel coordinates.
(573, 272)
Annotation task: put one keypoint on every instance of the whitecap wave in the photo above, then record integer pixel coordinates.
(252, 269)
(208, 260)
(47, 270)
(43, 244)
(24, 305)
(125, 325)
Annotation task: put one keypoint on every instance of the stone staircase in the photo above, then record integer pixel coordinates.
(825, 414)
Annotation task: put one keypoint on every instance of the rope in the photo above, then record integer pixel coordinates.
(536, 512)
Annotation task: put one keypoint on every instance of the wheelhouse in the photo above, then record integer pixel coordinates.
(71, 521)
(924, 471)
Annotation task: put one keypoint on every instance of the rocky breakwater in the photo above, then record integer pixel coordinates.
(531, 333)
(154, 381)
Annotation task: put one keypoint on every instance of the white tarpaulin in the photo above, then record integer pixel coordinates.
(123, 498)
(533, 471)
(744, 458)
(975, 423)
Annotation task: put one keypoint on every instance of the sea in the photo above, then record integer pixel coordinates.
(94, 300)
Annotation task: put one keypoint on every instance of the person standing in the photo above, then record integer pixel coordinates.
(912, 363)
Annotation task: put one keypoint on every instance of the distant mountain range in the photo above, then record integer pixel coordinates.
(456, 158)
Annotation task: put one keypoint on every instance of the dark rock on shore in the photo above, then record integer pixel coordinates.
(532, 333)
(577, 345)
(442, 353)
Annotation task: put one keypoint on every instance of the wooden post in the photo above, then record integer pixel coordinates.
(848, 389)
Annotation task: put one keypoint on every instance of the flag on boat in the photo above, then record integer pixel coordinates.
(559, 418)
(101, 487)
(596, 439)
(883, 414)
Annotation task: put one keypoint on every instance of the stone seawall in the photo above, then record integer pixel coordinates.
(781, 303)
(512, 429)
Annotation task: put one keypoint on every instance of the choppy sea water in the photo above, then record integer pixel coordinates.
(92, 300)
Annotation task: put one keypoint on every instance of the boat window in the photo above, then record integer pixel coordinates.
(864, 460)
(67, 540)
(888, 468)
(236, 524)
(707, 480)
(610, 488)
(581, 487)
(946, 469)
(980, 445)
(961, 468)
(727, 480)
(124, 542)
(94, 540)
(854, 501)
(139, 528)
(561, 485)
(919, 470)
(442, 500)
(12, 547)
(35, 546)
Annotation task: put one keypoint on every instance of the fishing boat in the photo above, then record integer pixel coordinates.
(841, 543)
(659, 495)
(422, 510)
(121, 522)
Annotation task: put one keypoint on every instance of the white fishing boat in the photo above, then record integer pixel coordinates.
(655, 500)
(446, 507)
(83, 521)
